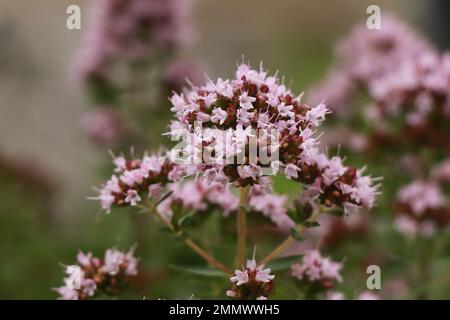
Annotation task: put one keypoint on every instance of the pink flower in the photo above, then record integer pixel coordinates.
(219, 116)
(116, 261)
(251, 171)
(89, 287)
(132, 197)
(176, 173)
(132, 177)
(246, 102)
(66, 293)
(285, 111)
(291, 171)
(113, 260)
(240, 277)
(263, 275)
(317, 114)
(231, 293)
(106, 199)
(316, 269)
(87, 260)
(155, 190)
(333, 171)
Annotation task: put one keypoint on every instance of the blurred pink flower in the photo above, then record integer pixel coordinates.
(129, 29)
(315, 269)
(94, 275)
(103, 126)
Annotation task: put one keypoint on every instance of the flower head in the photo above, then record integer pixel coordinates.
(322, 273)
(247, 110)
(129, 30)
(136, 179)
(224, 120)
(251, 283)
(94, 275)
(421, 209)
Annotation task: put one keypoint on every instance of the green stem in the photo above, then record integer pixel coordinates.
(192, 245)
(424, 270)
(289, 240)
(241, 225)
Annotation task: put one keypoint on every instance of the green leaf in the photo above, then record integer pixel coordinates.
(165, 229)
(283, 263)
(311, 224)
(293, 215)
(200, 271)
(296, 235)
(184, 220)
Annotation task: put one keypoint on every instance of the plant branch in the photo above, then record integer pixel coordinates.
(289, 241)
(192, 245)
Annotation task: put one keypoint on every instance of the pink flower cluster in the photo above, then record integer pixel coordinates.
(151, 176)
(252, 103)
(367, 55)
(137, 178)
(317, 271)
(251, 283)
(266, 104)
(419, 94)
(201, 197)
(130, 29)
(92, 276)
(255, 105)
(421, 208)
(406, 80)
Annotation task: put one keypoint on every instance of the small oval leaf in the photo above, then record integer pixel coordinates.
(200, 271)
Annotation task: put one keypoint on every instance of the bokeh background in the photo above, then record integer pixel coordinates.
(48, 166)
